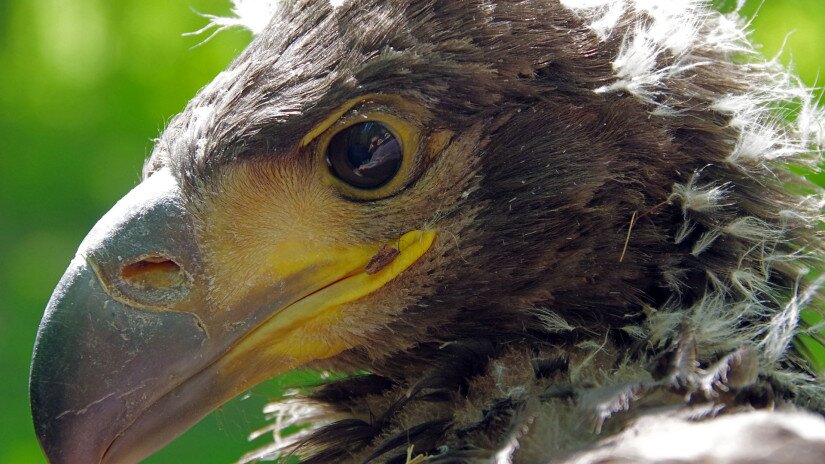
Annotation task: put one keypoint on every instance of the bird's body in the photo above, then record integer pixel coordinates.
(582, 219)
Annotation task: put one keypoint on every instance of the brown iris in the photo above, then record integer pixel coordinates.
(366, 155)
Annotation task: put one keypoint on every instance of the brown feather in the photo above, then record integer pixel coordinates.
(542, 313)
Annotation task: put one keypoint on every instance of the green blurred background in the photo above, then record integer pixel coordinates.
(84, 87)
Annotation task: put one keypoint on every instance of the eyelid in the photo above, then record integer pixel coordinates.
(336, 116)
(398, 125)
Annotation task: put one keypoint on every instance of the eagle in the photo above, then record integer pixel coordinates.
(514, 231)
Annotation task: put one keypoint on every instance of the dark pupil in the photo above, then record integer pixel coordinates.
(365, 155)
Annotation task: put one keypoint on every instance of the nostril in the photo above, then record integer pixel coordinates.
(154, 272)
(151, 281)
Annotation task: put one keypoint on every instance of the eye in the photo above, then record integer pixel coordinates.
(371, 153)
(367, 155)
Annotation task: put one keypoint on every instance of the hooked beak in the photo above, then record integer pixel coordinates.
(133, 348)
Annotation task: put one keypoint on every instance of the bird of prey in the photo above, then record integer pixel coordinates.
(529, 230)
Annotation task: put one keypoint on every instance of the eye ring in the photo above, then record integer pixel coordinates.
(386, 155)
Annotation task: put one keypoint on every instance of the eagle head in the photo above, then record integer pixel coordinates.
(463, 198)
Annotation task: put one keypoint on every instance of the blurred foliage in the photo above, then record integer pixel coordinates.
(85, 85)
